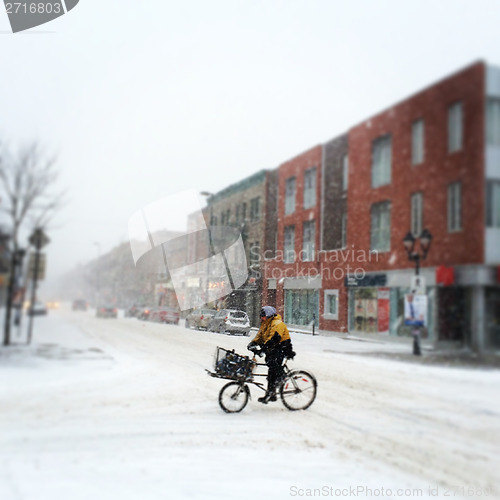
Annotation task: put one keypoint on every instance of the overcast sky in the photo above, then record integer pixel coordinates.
(142, 100)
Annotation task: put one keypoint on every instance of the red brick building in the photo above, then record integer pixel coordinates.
(431, 161)
(292, 271)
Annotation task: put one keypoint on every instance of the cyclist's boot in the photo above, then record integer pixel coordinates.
(268, 396)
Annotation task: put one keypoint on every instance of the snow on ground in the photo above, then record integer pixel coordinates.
(123, 409)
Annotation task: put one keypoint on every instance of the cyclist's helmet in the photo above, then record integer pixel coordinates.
(267, 312)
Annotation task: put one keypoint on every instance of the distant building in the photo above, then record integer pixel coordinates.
(248, 208)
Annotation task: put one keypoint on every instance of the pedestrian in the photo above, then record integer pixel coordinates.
(273, 340)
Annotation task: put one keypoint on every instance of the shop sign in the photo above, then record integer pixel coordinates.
(371, 281)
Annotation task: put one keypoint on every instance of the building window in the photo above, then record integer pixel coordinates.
(243, 212)
(255, 209)
(455, 128)
(213, 220)
(381, 161)
(344, 231)
(345, 172)
(331, 309)
(381, 227)
(493, 122)
(416, 214)
(254, 259)
(417, 142)
(310, 188)
(455, 206)
(308, 237)
(301, 307)
(493, 204)
(289, 249)
(290, 196)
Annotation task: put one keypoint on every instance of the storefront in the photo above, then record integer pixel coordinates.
(376, 304)
(302, 307)
(298, 298)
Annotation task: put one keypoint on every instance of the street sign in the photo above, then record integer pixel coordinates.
(39, 239)
(418, 285)
(42, 259)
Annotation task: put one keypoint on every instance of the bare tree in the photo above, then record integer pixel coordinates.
(26, 178)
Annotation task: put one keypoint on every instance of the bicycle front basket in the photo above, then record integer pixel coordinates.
(229, 364)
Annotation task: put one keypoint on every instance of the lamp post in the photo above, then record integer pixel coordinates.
(425, 243)
(409, 242)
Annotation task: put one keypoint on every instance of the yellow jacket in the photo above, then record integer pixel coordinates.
(268, 329)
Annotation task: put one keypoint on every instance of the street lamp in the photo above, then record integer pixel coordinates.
(409, 242)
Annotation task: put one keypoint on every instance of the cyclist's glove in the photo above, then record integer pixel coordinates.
(255, 348)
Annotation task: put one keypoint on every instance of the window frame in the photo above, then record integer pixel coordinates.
(309, 245)
(310, 185)
(382, 160)
(417, 213)
(417, 142)
(255, 209)
(345, 172)
(327, 314)
(343, 230)
(455, 127)
(492, 201)
(290, 195)
(454, 207)
(379, 234)
(493, 121)
(290, 249)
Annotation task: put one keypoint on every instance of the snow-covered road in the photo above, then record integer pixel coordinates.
(123, 409)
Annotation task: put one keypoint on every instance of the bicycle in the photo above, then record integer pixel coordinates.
(297, 388)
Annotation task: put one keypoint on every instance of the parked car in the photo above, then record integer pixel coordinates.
(79, 305)
(38, 309)
(230, 321)
(107, 311)
(164, 315)
(199, 318)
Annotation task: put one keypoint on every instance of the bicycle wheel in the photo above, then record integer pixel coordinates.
(233, 397)
(298, 390)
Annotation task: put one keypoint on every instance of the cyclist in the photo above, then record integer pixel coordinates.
(273, 340)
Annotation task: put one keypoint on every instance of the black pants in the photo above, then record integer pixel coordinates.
(274, 361)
